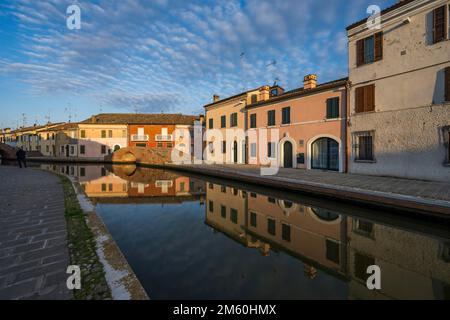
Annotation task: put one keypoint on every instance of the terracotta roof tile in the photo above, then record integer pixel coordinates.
(132, 118)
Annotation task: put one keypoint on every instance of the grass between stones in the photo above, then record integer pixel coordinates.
(82, 249)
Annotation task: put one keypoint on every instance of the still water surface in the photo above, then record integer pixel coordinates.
(192, 238)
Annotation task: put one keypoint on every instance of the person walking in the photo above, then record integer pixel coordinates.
(21, 158)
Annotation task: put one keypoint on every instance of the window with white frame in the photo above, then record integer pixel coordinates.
(253, 150)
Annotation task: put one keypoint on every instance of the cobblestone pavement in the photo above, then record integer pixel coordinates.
(407, 187)
(33, 236)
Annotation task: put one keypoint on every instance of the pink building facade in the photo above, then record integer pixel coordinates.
(311, 123)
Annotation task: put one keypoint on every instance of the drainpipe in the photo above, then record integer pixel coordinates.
(347, 124)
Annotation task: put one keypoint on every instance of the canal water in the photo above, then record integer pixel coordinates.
(192, 237)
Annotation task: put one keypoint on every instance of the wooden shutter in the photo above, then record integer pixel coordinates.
(369, 98)
(360, 52)
(439, 24)
(447, 84)
(378, 46)
(359, 99)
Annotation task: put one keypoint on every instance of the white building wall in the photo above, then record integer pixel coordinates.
(410, 115)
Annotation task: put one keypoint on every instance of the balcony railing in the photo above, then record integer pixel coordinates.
(165, 137)
(136, 137)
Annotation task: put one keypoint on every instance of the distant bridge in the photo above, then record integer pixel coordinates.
(140, 155)
(7, 152)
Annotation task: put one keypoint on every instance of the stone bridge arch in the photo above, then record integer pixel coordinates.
(7, 152)
(140, 155)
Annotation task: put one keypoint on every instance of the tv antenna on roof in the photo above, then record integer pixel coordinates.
(24, 120)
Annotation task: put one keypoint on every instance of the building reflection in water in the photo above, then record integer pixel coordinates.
(126, 184)
(413, 266)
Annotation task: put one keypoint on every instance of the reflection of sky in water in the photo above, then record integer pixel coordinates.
(175, 255)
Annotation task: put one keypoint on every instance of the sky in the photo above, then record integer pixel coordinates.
(171, 56)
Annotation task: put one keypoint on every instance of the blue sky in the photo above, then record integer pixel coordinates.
(162, 55)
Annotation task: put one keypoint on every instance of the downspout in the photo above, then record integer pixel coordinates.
(347, 125)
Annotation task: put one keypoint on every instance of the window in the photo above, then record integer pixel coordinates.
(103, 149)
(82, 172)
(286, 232)
(233, 120)
(234, 216)
(211, 206)
(271, 150)
(361, 264)
(447, 84)
(72, 150)
(370, 49)
(223, 189)
(211, 147)
(253, 219)
(47, 149)
(211, 123)
(254, 98)
(110, 187)
(169, 145)
(224, 146)
(271, 226)
(82, 149)
(253, 150)
(271, 200)
(273, 92)
(301, 158)
(271, 118)
(223, 211)
(62, 149)
(333, 108)
(364, 228)
(440, 24)
(103, 133)
(364, 149)
(332, 251)
(211, 186)
(365, 99)
(286, 115)
(223, 121)
(141, 145)
(124, 133)
(110, 134)
(103, 187)
(83, 133)
(253, 195)
(253, 120)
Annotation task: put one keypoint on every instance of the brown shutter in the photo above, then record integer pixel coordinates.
(360, 52)
(359, 99)
(447, 84)
(369, 97)
(379, 46)
(439, 24)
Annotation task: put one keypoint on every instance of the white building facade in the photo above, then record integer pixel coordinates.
(399, 98)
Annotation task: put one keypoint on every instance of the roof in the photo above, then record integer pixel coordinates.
(36, 127)
(64, 126)
(134, 118)
(229, 98)
(295, 93)
(399, 4)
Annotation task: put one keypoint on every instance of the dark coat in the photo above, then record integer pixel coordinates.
(21, 154)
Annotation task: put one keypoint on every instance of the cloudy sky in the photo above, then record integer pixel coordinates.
(162, 55)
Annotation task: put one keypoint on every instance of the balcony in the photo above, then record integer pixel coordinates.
(136, 137)
(165, 137)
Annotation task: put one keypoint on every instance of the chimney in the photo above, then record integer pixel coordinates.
(201, 118)
(310, 81)
(264, 93)
(216, 98)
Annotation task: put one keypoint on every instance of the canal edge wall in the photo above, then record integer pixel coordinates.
(119, 275)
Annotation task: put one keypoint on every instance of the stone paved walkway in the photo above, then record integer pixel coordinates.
(429, 193)
(33, 236)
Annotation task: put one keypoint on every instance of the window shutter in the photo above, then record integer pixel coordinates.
(379, 46)
(439, 24)
(329, 108)
(359, 99)
(360, 52)
(369, 95)
(447, 84)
